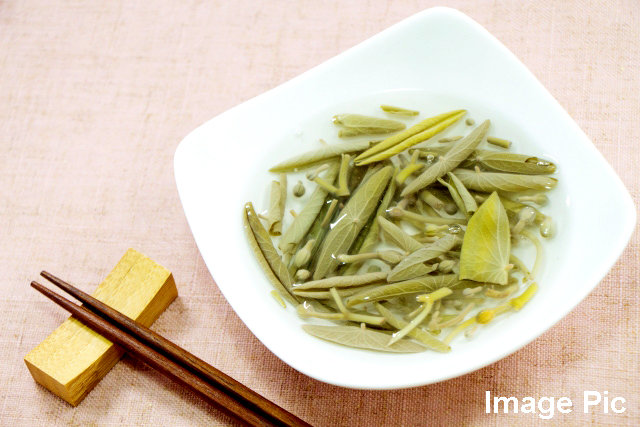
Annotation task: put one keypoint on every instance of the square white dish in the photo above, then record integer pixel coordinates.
(434, 61)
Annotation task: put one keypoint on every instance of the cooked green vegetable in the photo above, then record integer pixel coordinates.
(276, 205)
(457, 198)
(318, 232)
(431, 259)
(329, 214)
(298, 189)
(413, 265)
(372, 230)
(354, 336)
(307, 310)
(342, 189)
(422, 131)
(320, 155)
(429, 300)
(420, 334)
(419, 285)
(487, 244)
(399, 213)
(546, 227)
(395, 235)
(503, 182)
(344, 281)
(450, 139)
(389, 257)
(266, 253)
(303, 256)
(512, 162)
(351, 220)
(304, 220)
(398, 110)
(431, 199)
(276, 295)
(357, 124)
(538, 199)
(460, 151)
(326, 294)
(469, 203)
(412, 167)
(498, 142)
(302, 275)
(376, 153)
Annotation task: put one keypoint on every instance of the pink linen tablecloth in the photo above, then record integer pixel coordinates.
(95, 97)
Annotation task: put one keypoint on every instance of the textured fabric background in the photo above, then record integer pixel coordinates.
(95, 97)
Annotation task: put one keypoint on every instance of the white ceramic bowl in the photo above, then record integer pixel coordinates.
(436, 61)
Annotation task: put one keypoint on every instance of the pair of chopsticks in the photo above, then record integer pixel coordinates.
(220, 390)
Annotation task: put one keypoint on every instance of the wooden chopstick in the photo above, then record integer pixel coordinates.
(242, 410)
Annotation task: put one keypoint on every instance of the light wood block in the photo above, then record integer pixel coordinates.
(74, 358)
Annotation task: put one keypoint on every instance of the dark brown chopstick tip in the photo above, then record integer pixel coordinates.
(45, 291)
(47, 275)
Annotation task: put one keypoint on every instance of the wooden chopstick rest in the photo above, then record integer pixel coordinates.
(74, 358)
